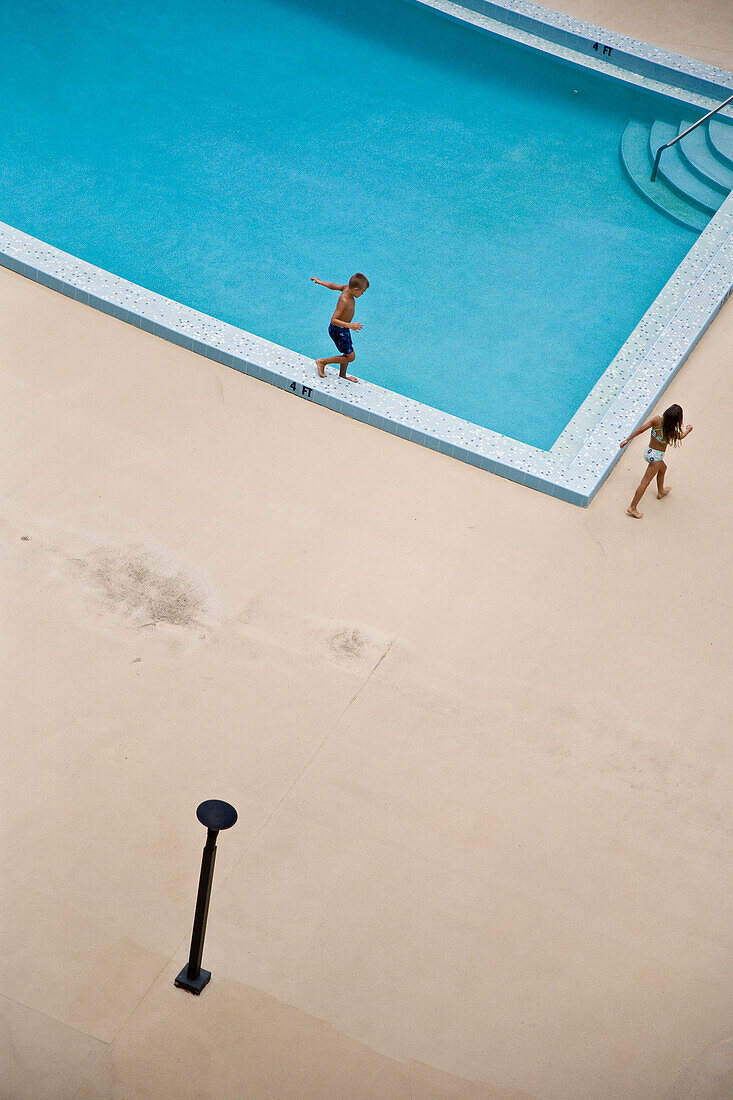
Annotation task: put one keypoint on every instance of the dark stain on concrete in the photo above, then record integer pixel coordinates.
(135, 584)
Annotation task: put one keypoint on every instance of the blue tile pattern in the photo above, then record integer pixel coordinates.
(584, 454)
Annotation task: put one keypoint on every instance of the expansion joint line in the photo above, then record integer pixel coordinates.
(310, 760)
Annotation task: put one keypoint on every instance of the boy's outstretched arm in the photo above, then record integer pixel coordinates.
(330, 286)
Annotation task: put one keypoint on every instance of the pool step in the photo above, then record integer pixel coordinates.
(694, 176)
(675, 173)
(638, 167)
(701, 160)
(720, 138)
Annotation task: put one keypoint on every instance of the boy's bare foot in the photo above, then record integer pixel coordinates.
(350, 378)
(320, 368)
(635, 513)
(663, 493)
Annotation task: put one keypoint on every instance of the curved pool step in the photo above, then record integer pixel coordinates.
(677, 175)
(637, 164)
(720, 139)
(700, 159)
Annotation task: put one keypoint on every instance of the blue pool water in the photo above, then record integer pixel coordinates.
(221, 154)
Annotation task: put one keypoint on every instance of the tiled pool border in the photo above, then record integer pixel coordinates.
(672, 75)
(586, 451)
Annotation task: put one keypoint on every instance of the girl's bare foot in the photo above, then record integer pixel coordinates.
(634, 512)
(350, 378)
(663, 493)
(320, 368)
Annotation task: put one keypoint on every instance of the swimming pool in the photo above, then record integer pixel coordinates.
(220, 158)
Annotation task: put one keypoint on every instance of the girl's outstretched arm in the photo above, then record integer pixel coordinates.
(651, 423)
(686, 431)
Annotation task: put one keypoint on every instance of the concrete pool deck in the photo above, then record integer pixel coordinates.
(484, 796)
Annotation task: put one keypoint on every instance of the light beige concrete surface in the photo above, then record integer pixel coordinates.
(483, 845)
(40, 1058)
(703, 30)
(479, 742)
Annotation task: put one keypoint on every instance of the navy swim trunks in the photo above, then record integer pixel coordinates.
(341, 338)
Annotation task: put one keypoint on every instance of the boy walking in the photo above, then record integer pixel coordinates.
(342, 324)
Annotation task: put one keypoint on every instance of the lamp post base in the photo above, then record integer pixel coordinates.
(184, 982)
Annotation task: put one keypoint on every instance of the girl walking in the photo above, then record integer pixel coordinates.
(666, 431)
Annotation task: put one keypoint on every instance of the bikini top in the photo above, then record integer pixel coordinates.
(656, 434)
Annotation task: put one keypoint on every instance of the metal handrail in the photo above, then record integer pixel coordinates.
(689, 129)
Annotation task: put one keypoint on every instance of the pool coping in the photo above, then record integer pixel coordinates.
(608, 53)
(579, 461)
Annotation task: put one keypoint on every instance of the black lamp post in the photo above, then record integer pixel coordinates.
(215, 815)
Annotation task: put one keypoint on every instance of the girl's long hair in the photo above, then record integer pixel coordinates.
(672, 424)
